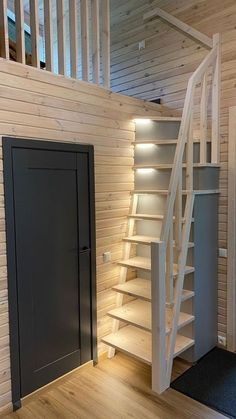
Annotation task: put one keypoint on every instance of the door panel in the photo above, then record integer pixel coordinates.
(47, 243)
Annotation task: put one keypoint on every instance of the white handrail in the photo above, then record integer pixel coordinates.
(182, 139)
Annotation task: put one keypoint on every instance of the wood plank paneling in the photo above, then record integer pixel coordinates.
(39, 105)
(163, 68)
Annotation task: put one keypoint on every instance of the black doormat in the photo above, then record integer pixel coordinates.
(212, 381)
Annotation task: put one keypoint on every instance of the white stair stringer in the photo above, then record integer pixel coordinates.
(123, 269)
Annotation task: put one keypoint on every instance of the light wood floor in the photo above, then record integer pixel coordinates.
(117, 388)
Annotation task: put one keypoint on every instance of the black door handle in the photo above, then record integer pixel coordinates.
(85, 249)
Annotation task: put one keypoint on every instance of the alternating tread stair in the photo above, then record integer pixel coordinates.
(175, 177)
(135, 337)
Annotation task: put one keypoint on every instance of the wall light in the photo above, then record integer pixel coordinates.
(145, 170)
(142, 121)
(148, 145)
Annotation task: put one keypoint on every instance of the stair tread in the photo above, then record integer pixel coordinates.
(141, 262)
(146, 240)
(138, 313)
(138, 343)
(141, 288)
(170, 165)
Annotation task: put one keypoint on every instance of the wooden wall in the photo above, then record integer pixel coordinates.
(39, 105)
(162, 70)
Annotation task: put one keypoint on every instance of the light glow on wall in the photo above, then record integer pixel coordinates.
(142, 121)
(148, 145)
(145, 170)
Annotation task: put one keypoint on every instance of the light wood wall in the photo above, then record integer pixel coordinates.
(36, 104)
(163, 68)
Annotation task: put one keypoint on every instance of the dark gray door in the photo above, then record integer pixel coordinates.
(51, 196)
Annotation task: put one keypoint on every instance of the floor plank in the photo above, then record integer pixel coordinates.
(114, 389)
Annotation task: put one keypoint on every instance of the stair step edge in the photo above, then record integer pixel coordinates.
(137, 343)
(138, 314)
(126, 289)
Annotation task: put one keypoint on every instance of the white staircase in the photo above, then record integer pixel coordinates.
(153, 324)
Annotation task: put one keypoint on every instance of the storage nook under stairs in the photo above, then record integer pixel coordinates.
(147, 293)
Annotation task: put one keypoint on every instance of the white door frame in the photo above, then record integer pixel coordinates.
(231, 261)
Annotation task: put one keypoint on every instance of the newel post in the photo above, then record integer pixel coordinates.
(158, 257)
(216, 92)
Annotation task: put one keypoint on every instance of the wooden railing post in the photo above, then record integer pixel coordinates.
(4, 45)
(158, 257)
(60, 37)
(169, 268)
(85, 39)
(215, 146)
(34, 28)
(105, 4)
(73, 38)
(189, 157)
(96, 40)
(20, 32)
(48, 34)
(203, 121)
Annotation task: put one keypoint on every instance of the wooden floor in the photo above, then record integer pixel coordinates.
(117, 388)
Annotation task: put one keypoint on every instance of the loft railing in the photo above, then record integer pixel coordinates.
(89, 22)
(178, 217)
